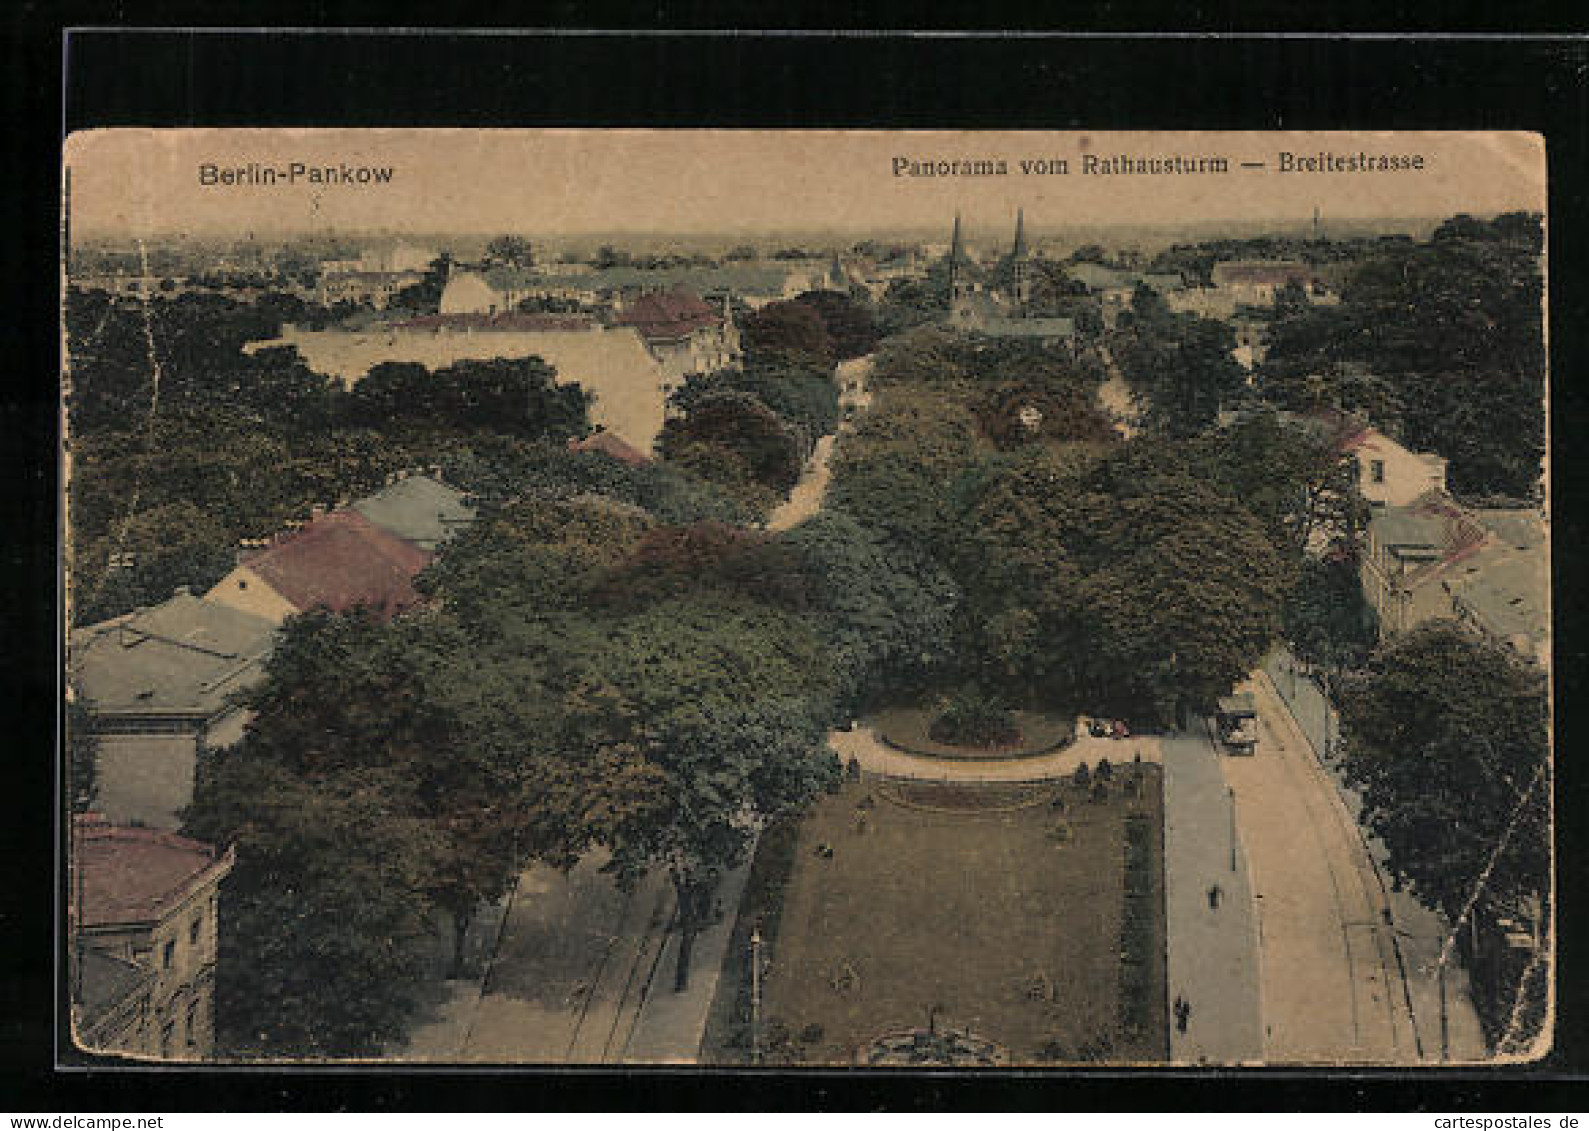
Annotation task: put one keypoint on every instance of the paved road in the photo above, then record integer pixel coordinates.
(877, 757)
(1332, 987)
(1213, 950)
(1419, 932)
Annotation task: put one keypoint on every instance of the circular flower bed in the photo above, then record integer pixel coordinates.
(907, 729)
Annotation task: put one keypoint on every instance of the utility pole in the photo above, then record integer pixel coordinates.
(1231, 793)
(755, 995)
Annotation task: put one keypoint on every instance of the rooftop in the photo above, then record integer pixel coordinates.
(136, 875)
(735, 279)
(342, 560)
(670, 314)
(608, 444)
(186, 655)
(512, 320)
(106, 981)
(418, 509)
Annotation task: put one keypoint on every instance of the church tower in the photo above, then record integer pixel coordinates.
(1020, 261)
(959, 278)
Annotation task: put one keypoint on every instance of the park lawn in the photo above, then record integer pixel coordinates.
(956, 896)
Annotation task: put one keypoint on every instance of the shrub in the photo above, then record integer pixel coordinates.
(973, 719)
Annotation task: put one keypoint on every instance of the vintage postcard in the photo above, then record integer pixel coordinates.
(807, 598)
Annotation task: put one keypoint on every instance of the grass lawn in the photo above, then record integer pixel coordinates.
(958, 896)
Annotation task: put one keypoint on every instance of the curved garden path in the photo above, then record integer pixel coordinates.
(877, 757)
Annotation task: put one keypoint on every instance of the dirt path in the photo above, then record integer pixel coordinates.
(876, 756)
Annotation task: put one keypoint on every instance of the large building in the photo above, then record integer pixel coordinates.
(1434, 559)
(977, 306)
(145, 906)
(1389, 474)
(159, 686)
(629, 386)
(684, 333)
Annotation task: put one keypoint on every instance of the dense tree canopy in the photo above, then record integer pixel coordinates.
(1436, 340)
(1447, 735)
(791, 328)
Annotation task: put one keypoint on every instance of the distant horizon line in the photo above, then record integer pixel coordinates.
(1034, 229)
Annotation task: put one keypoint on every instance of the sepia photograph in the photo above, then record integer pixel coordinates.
(806, 598)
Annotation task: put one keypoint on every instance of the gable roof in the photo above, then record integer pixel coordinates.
(417, 509)
(669, 315)
(136, 875)
(186, 655)
(342, 560)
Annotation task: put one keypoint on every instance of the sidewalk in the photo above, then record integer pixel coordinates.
(1213, 951)
(1419, 932)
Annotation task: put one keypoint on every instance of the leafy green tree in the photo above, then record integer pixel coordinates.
(790, 328)
(323, 931)
(143, 560)
(741, 428)
(1326, 621)
(804, 397)
(1447, 735)
(1435, 340)
(513, 251)
(424, 297)
(888, 612)
(850, 326)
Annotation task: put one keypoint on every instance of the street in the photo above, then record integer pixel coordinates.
(1332, 985)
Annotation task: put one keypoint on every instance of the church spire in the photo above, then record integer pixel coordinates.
(1018, 252)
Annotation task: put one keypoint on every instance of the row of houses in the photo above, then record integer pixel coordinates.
(160, 687)
(1425, 556)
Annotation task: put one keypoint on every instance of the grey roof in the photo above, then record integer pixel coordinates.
(184, 656)
(733, 279)
(418, 509)
(1029, 327)
(1097, 277)
(1240, 703)
(1403, 526)
(106, 981)
(1506, 586)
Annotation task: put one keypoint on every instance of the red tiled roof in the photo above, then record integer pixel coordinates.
(520, 321)
(342, 560)
(608, 444)
(670, 314)
(135, 875)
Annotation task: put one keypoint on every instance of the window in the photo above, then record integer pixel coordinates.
(1376, 470)
(168, 954)
(194, 929)
(193, 1022)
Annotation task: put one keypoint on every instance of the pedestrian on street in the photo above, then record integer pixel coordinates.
(1184, 1017)
(1213, 897)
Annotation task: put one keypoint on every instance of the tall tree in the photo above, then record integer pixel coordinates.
(1447, 735)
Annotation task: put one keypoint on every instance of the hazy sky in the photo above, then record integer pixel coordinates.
(565, 182)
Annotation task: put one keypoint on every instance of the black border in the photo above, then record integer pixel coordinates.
(791, 80)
